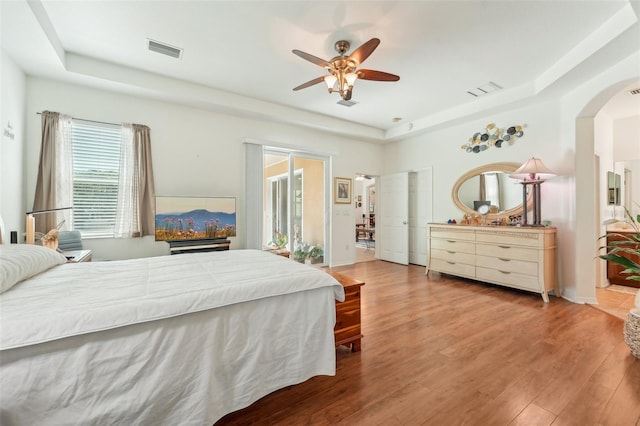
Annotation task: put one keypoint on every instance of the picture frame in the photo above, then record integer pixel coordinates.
(342, 190)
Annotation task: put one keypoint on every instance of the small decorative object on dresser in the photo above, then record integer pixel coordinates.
(348, 329)
(522, 258)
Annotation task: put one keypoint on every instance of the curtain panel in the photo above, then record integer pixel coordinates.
(136, 192)
(54, 185)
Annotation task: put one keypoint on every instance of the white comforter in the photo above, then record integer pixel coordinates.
(80, 298)
(177, 361)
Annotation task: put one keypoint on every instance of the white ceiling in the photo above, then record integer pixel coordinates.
(237, 54)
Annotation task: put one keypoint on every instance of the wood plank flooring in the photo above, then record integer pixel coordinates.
(438, 350)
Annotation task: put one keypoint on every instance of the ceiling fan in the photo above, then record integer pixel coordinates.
(343, 69)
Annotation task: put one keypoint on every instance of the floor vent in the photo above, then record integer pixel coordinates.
(346, 103)
(165, 49)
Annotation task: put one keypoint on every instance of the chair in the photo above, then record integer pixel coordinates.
(70, 240)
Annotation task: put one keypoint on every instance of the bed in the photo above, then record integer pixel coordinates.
(164, 340)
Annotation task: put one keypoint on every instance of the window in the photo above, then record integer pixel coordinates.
(96, 169)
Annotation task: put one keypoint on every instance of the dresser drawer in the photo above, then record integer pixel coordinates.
(453, 245)
(507, 265)
(451, 256)
(508, 252)
(512, 279)
(453, 268)
(511, 238)
(452, 234)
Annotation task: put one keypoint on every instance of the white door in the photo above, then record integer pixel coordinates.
(392, 230)
(420, 213)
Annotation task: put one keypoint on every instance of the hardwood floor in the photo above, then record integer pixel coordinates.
(439, 350)
(615, 302)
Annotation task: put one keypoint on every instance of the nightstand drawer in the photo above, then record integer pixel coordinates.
(347, 318)
(348, 335)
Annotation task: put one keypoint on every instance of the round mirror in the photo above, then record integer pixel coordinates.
(488, 190)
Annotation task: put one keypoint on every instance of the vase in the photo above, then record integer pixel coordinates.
(52, 244)
(632, 332)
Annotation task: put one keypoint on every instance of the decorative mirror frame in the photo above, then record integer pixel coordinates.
(502, 167)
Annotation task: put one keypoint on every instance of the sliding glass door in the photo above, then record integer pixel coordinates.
(294, 201)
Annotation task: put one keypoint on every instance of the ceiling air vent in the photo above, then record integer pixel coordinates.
(165, 49)
(635, 91)
(485, 89)
(346, 103)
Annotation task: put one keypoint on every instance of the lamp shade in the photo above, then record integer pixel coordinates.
(351, 78)
(330, 80)
(532, 169)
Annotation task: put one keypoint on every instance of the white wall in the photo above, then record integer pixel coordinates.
(561, 133)
(195, 152)
(12, 143)
(441, 149)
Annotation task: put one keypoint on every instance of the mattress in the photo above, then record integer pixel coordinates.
(171, 340)
(79, 298)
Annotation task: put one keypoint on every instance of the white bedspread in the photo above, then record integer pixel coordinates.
(78, 298)
(178, 361)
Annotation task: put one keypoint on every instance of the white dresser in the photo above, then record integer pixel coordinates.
(523, 258)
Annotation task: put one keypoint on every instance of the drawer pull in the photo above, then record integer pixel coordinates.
(504, 272)
(451, 252)
(504, 260)
(451, 241)
(451, 263)
(505, 247)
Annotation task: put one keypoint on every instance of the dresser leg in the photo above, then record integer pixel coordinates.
(545, 296)
(355, 346)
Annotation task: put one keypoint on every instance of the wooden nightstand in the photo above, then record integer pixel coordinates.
(77, 256)
(348, 330)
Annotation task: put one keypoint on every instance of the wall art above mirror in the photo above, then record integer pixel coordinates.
(493, 136)
(489, 185)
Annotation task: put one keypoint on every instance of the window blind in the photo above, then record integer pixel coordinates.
(96, 169)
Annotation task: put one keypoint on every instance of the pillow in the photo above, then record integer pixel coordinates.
(21, 261)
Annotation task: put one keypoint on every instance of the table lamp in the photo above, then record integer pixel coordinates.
(533, 172)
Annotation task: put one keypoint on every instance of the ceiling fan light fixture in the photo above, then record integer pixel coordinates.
(351, 78)
(343, 69)
(331, 82)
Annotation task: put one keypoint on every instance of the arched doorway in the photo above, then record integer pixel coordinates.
(588, 227)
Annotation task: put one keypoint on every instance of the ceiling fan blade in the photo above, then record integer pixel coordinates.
(376, 75)
(309, 83)
(311, 58)
(363, 52)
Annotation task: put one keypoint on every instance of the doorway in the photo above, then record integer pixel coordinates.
(365, 217)
(294, 202)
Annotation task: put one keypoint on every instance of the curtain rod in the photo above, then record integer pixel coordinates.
(90, 121)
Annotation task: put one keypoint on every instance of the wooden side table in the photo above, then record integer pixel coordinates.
(77, 256)
(348, 329)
